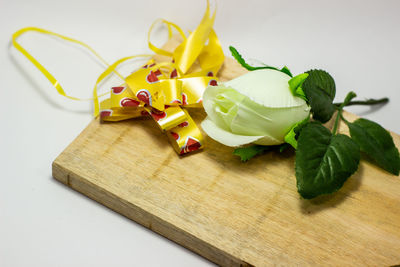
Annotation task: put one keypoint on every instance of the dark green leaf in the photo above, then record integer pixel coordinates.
(287, 71)
(320, 91)
(322, 80)
(283, 147)
(377, 143)
(242, 62)
(324, 161)
(246, 153)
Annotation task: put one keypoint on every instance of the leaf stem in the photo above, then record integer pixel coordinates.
(347, 100)
(365, 102)
(335, 126)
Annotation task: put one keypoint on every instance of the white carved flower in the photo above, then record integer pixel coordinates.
(257, 107)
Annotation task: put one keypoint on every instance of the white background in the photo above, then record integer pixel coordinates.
(42, 222)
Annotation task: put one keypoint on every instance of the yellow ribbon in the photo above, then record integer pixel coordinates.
(42, 69)
(157, 89)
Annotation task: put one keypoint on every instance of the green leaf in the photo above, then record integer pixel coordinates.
(287, 71)
(324, 161)
(283, 147)
(246, 153)
(292, 136)
(377, 143)
(295, 85)
(242, 62)
(320, 91)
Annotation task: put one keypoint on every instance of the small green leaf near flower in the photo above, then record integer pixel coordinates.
(249, 152)
(295, 85)
(292, 136)
(246, 153)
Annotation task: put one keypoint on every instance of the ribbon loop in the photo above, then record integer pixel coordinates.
(169, 25)
(186, 137)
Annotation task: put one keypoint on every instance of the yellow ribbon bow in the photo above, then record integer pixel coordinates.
(158, 89)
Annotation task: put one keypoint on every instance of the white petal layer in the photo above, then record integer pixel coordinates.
(229, 139)
(253, 119)
(225, 137)
(216, 114)
(266, 87)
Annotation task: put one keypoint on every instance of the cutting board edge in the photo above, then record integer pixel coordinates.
(144, 218)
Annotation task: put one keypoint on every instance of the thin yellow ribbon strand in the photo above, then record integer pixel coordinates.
(41, 68)
(169, 25)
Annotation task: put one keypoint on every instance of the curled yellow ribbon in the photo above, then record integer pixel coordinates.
(157, 89)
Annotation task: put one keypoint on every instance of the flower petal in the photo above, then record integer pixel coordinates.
(254, 119)
(267, 87)
(219, 102)
(209, 105)
(225, 137)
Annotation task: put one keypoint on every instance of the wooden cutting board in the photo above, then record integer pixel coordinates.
(233, 213)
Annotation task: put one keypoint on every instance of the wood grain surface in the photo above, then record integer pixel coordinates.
(233, 213)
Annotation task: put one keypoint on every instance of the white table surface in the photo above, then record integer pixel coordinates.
(44, 223)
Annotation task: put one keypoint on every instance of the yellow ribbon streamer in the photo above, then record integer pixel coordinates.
(156, 89)
(169, 25)
(186, 54)
(42, 69)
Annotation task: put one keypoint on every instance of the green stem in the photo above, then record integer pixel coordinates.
(365, 102)
(346, 101)
(335, 126)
